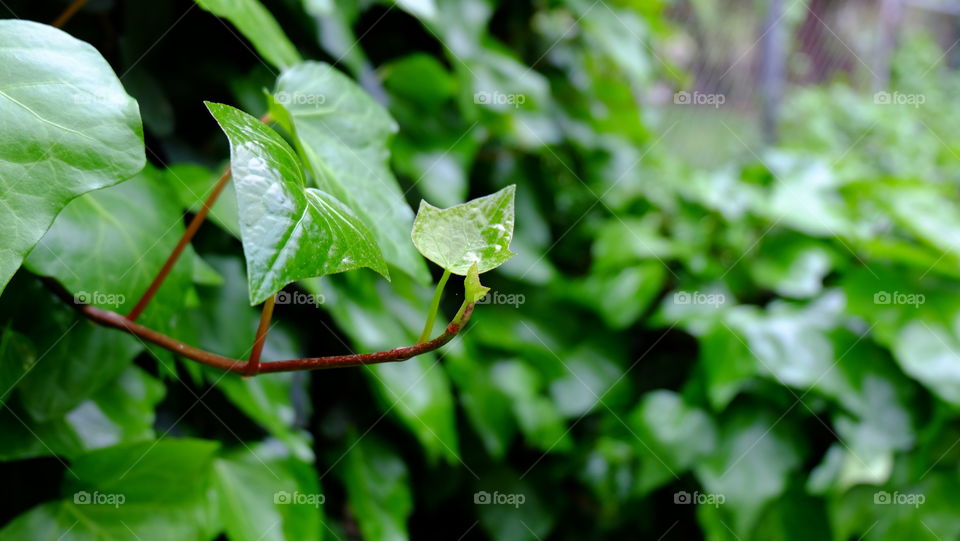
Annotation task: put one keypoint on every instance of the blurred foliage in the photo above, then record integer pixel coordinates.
(776, 337)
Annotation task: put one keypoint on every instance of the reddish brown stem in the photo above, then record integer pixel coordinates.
(68, 13)
(117, 321)
(253, 365)
(195, 223)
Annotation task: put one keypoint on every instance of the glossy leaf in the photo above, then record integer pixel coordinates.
(477, 232)
(343, 135)
(68, 128)
(289, 231)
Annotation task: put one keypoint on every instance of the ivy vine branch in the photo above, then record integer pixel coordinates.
(253, 366)
(465, 239)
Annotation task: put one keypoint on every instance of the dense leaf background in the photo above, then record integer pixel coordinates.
(773, 333)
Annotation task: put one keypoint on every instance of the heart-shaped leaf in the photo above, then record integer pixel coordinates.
(68, 128)
(289, 232)
(476, 232)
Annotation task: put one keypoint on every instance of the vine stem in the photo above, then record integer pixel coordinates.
(434, 307)
(68, 13)
(112, 319)
(253, 365)
(185, 239)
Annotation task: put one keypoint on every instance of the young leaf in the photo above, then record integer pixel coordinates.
(289, 232)
(258, 25)
(343, 135)
(477, 232)
(473, 290)
(68, 128)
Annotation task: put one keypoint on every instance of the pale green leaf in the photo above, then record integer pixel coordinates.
(477, 232)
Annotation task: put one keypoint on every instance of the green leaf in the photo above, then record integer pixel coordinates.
(418, 390)
(671, 436)
(54, 348)
(258, 25)
(121, 412)
(193, 184)
(68, 128)
(422, 9)
(267, 496)
(930, 353)
(150, 491)
(538, 417)
(486, 407)
(225, 325)
(754, 459)
(477, 232)
(342, 134)
(289, 231)
(106, 247)
(378, 488)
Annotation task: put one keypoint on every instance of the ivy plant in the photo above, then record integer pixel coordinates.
(308, 210)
